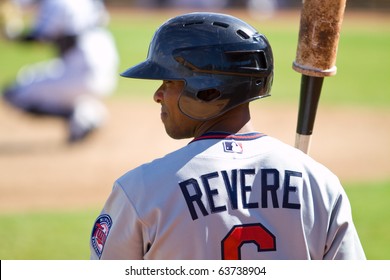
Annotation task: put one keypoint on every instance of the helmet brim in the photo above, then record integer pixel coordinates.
(149, 70)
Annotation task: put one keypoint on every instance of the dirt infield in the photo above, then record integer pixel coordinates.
(39, 171)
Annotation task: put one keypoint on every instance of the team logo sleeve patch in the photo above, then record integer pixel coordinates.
(100, 233)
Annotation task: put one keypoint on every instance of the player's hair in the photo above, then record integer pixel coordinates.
(223, 60)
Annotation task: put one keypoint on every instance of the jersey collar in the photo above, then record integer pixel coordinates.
(225, 135)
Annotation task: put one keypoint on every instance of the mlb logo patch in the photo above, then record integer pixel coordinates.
(232, 147)
(100, 233)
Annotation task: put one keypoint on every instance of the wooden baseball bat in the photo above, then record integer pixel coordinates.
(319, 34)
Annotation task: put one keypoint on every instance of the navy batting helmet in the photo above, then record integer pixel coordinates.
(223, 61)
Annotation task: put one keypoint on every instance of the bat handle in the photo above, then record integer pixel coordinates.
(309, 97)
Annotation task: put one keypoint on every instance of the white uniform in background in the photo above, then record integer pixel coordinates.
(74, 83)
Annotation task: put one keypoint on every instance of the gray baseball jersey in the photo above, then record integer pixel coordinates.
(243, 196)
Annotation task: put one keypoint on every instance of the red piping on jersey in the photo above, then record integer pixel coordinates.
(224, 135)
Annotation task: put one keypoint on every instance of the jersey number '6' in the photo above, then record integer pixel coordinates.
(242, 234)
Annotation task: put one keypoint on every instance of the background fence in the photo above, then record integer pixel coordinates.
(378, 5)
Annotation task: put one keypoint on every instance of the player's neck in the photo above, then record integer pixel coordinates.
(235, 121)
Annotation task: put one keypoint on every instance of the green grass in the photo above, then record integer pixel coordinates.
(46, 236)
(371, 212)
(65, 235)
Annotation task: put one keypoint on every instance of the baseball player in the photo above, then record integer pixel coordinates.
(232, 192)
(72, 85)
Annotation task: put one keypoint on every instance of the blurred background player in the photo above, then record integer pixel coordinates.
(73, 84)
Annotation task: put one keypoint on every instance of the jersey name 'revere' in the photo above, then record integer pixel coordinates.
(238, 186)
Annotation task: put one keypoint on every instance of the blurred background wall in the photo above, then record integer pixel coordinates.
(379, 5)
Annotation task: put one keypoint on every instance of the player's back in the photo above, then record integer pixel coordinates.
(243, 196)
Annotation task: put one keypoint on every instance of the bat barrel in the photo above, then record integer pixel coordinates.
(319, 35)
